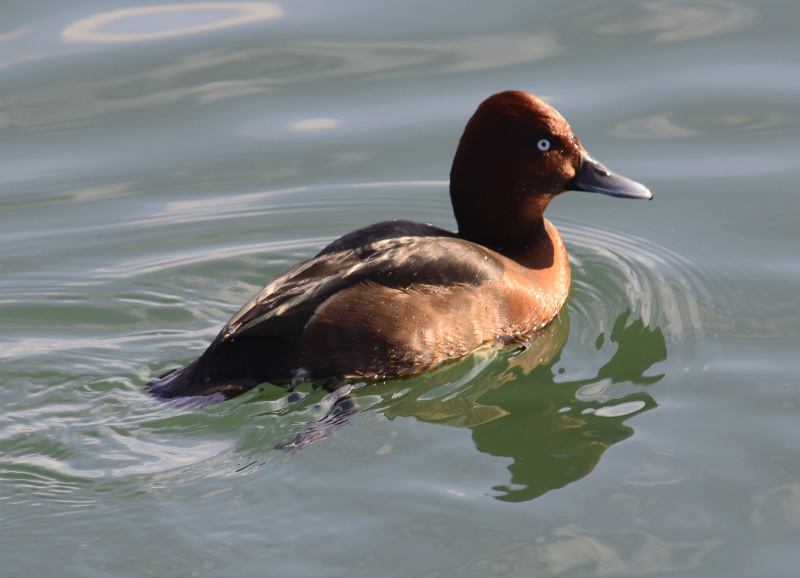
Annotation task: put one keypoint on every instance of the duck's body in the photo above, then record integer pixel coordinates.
(398, 297)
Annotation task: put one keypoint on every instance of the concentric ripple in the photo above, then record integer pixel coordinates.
(196, 262)
(663, 288)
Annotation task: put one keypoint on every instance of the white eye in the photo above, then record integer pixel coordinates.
(543, 144)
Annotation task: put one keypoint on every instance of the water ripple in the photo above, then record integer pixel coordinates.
(667, 22)
(662, 287)
(190, 19)
(99, 431)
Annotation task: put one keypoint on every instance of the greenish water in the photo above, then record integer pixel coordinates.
(158, 166)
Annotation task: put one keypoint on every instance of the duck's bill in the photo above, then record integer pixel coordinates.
(593, 177)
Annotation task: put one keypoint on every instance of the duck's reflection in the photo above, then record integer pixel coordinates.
(554, 430)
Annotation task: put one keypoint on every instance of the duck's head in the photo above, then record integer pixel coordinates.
(516, 154)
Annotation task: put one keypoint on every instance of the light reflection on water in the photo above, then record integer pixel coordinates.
(665, 22)
(147, 23)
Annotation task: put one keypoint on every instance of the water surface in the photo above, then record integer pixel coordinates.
(159, 164)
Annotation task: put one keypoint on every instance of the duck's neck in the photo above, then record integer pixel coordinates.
(536, 249)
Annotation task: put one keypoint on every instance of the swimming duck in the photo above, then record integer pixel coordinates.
(398, 297)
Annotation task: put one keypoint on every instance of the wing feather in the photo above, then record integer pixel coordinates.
(284, 306)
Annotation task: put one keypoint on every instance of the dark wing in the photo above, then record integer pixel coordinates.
(284, 306)
(382, 231)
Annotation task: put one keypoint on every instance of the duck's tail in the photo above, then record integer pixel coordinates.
(186, 384)
(227, 369)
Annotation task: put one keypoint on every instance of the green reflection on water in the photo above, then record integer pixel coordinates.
(555, 431)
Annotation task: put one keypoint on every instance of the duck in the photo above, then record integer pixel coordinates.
(398, 298)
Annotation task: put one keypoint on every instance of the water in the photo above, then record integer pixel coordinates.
(158, 166)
